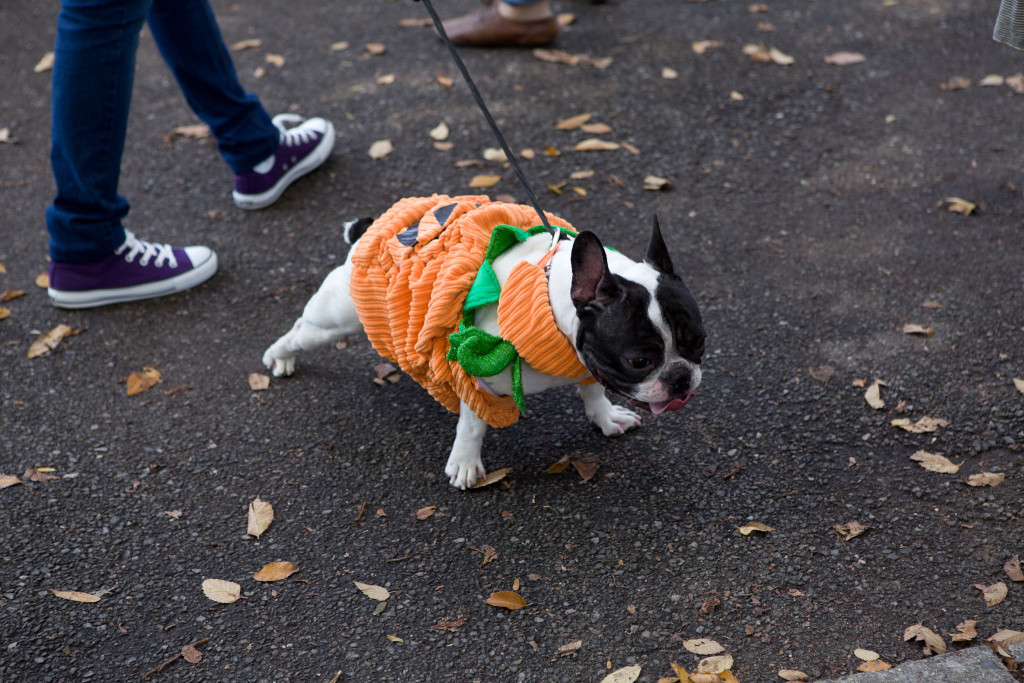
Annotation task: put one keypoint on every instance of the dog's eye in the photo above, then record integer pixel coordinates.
(639, 362)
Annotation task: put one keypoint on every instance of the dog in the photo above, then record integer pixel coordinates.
(480, 326)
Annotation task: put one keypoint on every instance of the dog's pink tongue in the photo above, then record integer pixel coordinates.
(662, 406)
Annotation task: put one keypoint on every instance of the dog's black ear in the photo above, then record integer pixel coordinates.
(592, 282)
(657, 252)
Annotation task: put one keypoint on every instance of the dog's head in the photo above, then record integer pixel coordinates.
(640, 331)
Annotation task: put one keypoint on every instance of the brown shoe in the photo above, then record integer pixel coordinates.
(484, 27)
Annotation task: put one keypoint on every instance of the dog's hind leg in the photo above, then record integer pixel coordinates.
(329, 316)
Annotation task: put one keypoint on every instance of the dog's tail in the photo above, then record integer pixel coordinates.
(355, 229)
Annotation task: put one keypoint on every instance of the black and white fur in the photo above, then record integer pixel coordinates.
(635, 326)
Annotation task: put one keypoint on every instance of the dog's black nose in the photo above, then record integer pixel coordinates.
(679, 379)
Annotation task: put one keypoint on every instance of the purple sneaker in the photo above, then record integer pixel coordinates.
(302, 149)
(136, 270)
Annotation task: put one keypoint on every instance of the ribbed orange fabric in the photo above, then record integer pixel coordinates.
(410, 299)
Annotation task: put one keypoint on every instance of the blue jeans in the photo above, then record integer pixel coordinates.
(93, 75)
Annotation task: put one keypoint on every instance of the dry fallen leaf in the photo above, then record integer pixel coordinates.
(586, 467)
(573, 122)
(993, 594)
(139, 382)
(7, 480)
(703, 646)
(627, 674)
(425, 513)
(865, 655)
(375, 48)
(191, 655)
(986, 479)
(965, 631)
(596, 145)
(850, 530)
(1019, 383)
(669, 73)
(845, 58)
(259, 382)
(874, 665)
(48, 341)
(380, 149)
(274, 59)
(386, 79)
(760, 53)
(702, 46)
(1005, 637)
(874, 394)
(11, 294)
(489, 553)
(4, 312)
(76, 596)
(961, 206)
(275, 571)
(378, 593)
(715, 665)
(222, 591)
(596, 128)
(439, 132)
(924, 425)
(933, 642)
(934, 462)
(653, 182)
(44, 64)
(508, 599)
(492, 477)
(1013, 570)
(40, 474)
(42, 280)
(793, 675)
(750, 528)
(261, 514)
(339, 46)
(569, 648)
(196, 130)
(246, 44)
(448, 624)
(956, 83)
(822, 373)
(559, 466)
(992, 80)
(911, 328)
(484, 180)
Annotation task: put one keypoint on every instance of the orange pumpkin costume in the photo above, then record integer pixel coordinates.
(412, 272)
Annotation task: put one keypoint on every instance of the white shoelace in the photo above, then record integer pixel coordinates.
(148, 250)
(292, 136)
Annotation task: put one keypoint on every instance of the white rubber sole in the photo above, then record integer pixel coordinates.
(93, 298)
(318, 156)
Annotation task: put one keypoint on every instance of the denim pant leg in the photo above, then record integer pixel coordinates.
(93, 74)
(190, 41)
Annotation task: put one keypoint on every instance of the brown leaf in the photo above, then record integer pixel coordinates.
(48, 341)
(508, 599)
(260, 515)
(850, 530)
(489, 553)
(444, 80)
(573, 122)
(40, 474)
(375, 48)
(793, 675)
(933, 642)
(76, 596)
(924, 425)
(596, 145)
(196, 130)
(865, 655)
(596, 128)
(587, 467)
(222, 591)
(275, 571)
(491, 478)
(874, 665)
(191, 655)
(378, 593)
(425, 513)
(986, 479)
(7, 480)
(845, 58)
(1013, 570)
(956, 83)
(10, 294)
(965, 631)
(259, 382)
(993, 594)
(1005, 638)
(139, 382)
(750, 528)
(569, 648)
(822, 373)
(339, 46)
(42, 280)
(4, 312)
(246, 44)
(874, 394)
(912, 328)
(934, 462)
(485, 180)
(702, 646)
(559, 466)
(448, 624)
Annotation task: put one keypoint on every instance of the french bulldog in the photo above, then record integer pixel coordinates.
(634, 326)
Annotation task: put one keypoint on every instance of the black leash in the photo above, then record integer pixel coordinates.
(555, 233)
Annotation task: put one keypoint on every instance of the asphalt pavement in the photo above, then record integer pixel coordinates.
(806, 204)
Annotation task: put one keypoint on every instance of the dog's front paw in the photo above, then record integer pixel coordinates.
(281, 366)
(464, 470)
(615, 420)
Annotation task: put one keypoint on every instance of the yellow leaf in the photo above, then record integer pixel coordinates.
(395, 639)
(47, 341)
(748, 529)
(246, 44)
(485, 180)
(596, 145)
(378, 593)
(961, 206)
(44, 64)
(76, 596)
(380, 149)
(934, 462)
(139, 382)
(492, 477)
(875, 665)
(874, 394)
(986, 479)
(4, 312)
(559, 466)
(42, 280)
(261, 514)
(993, 594)
(702, 646)
(426, 512)
(222, 591)
(680, 672)
(626, 674)
(573, 122)
(508, 599)
(275, 571)
(922, 426)
(7, 480)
